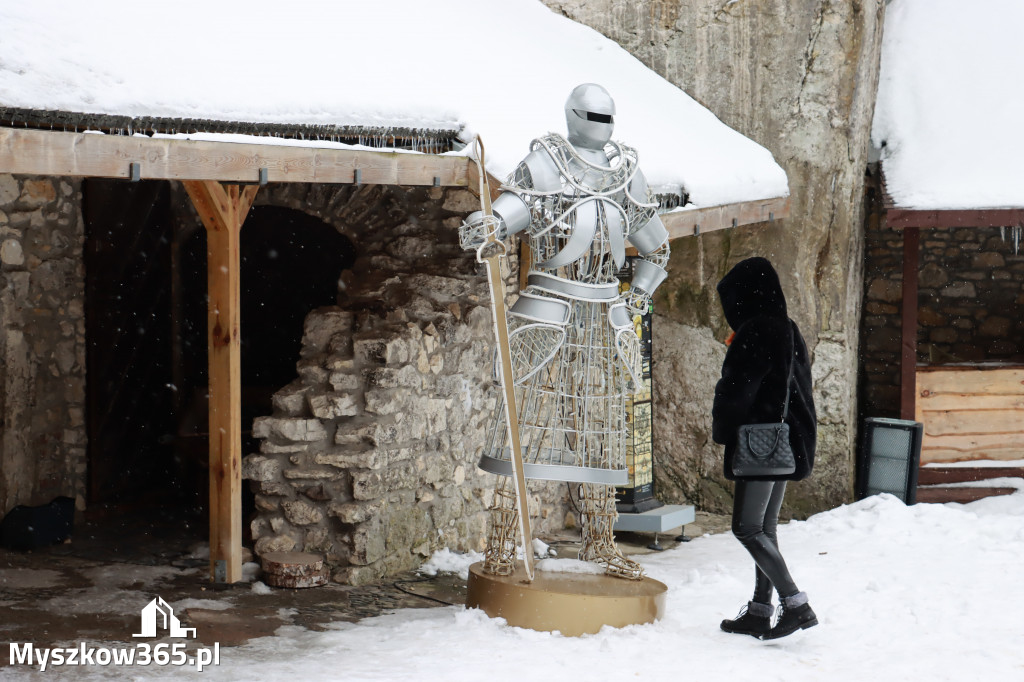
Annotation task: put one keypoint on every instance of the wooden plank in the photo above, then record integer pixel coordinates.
(967, 380)
(940, 475)
(963, 495)
(687, 222)
(967, 447)
(47, 152)
(902, 218)
(908, 325)
(954, 401)
(939, 423)
(222, 210)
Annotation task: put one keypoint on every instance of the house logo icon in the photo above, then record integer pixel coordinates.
(159, 611)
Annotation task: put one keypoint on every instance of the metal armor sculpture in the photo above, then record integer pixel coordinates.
(575, 352)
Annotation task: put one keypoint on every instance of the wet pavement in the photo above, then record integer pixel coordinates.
(93, 587)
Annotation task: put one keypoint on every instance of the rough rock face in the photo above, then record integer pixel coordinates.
(42, 341)
(800, 79)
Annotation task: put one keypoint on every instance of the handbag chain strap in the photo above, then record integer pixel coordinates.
(789, 378)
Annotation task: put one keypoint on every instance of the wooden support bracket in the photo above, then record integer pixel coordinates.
(222, 209)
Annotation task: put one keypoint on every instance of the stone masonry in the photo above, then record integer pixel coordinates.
(42, 341)
(970, 305)
(369, 457)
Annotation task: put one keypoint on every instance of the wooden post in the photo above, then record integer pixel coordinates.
(908, 335)
(222, 209)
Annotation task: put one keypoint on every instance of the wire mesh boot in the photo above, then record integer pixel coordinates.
(500, 556)
(598, 516)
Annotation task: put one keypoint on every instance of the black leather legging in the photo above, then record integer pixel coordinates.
(755, 517)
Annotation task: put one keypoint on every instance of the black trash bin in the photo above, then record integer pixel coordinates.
(890, 455)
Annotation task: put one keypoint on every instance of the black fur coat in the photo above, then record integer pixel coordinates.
(753, 384)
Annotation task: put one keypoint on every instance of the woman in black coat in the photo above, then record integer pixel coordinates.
(752, 390)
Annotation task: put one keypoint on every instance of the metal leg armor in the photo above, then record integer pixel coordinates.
(598, 512)
(500, 557)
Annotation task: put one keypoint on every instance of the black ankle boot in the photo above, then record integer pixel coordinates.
(755, 619)
(794, 614)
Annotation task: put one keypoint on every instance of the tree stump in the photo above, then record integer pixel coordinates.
(294, 569)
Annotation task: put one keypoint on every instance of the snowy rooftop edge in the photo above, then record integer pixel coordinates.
(54, 57)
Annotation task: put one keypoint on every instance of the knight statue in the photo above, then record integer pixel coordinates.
(575, 351)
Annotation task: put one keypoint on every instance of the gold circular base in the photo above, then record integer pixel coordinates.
(571, 603)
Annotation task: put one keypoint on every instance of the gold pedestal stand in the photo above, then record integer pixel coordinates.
(572, 603)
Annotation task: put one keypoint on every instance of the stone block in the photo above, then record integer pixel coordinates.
(291, 400)
(340, 363)
(37, 192)
(333, 405)
(9, 190)
(960, 290)
(389, 377)
(355, 512)
(270, 448)
(279, 543)
(367, 485)
(301, 513)
(288, 428)
(11, 252)
(368, 459)
(344, 381)
(321, 325)
(311, 372)
(369, 351)
(275, 488)
(358, 575)
(367, 545)
(257, 468)
(384, 401)
(313, 475)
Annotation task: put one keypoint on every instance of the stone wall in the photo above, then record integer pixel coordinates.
(370, 455)
(970, 305)
(800, 79)
(42, 341)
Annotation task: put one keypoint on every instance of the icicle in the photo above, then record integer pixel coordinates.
(1016, 239)
(1002, 233)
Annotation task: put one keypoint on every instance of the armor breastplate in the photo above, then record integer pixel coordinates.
(582, 217)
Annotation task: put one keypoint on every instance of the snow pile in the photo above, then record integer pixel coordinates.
(259, 587)
(950, 104)
(447, 561)
(501, 68)
(928, 592)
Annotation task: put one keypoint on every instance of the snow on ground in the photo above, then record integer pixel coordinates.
(500, 68)
(926, 592)
(447, 561)
(949, 103)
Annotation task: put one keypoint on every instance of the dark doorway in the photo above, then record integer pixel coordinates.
(129, 401)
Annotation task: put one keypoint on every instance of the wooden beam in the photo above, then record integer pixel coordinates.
(47, 152)
(687, 222)
(908, 333)
(903, 218)
(222, 209)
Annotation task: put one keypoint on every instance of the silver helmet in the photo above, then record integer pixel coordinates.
(589, 115)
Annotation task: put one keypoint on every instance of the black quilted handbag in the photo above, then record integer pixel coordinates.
(763, 449)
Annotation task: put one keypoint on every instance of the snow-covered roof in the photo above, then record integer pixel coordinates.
(950, 104)
(500, 68)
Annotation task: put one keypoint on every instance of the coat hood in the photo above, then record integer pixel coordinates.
(750, 289)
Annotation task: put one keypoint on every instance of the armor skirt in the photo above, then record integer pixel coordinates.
(572, 361)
